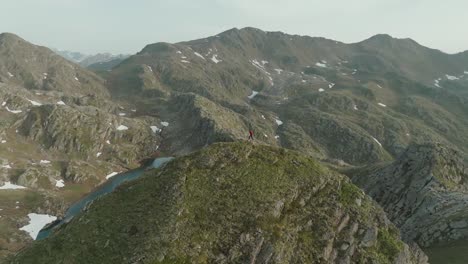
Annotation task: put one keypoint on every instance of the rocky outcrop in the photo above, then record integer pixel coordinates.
(201, 122)
(231, 203)
(87, 131)
(424, 192)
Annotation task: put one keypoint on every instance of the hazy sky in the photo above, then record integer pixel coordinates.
(126, 26)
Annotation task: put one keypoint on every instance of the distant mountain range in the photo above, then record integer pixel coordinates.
(100, 61)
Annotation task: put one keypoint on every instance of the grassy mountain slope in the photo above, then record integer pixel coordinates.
(38, 68)
(230, 203)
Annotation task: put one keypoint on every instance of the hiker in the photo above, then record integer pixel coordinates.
(251, 133)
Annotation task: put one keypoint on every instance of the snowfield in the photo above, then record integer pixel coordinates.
(13, 111)
(380, 144)
(59, 183)
(254, 93)
(199, 55)
(155, 129)
(9, 186)
(36, 223)
(122, 128)
(111, 175)
(451, 78)
(34, 102)
(322, 65)
(215, 59)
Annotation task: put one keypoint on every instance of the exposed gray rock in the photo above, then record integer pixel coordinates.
(424, 192)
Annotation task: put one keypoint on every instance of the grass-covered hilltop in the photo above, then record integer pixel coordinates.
(230, 203)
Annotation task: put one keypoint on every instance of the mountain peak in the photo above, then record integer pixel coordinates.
(10, 38)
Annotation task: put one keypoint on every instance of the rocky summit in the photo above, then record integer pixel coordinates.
(389, 113)
(424, 193)
(230, 203)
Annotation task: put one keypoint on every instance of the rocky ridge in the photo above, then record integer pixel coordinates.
(424, 193)
(232, 202)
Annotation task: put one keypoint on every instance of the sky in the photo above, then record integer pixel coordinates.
(126, 26)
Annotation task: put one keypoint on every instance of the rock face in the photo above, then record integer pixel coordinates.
(424, 192)
(201, 122)
(88, 130)
(230, 203)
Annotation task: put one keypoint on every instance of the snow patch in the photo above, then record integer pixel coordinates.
(59, 183)
(263, 117)
(108, 142)
(277, 137)
(9, 186)
(322, 65)
(165, 124)
(122, 128)
(199, 55)
(10, 75)
(215, 59)
(44, 162)
(279, 71)
(76, 78)
(437, 83)
(185, 61)
(355, 107)
(61, 103)
(451, 78)
(155, 129)
(179, 52)
(331, 85)
(111, 175)
(4, 103)
(321, 90)
(122, 114)
(3, 141)
(254, 93)
(278, 122)
(13, 111)
(98, 154)
(261, 67)
(379, 86)
(380, 144)
(34, 102)
(36, 223)
(382, 105)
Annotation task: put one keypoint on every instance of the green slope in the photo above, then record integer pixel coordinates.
(229, 203)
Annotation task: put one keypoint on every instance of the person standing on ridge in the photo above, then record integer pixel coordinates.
(251, 133)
